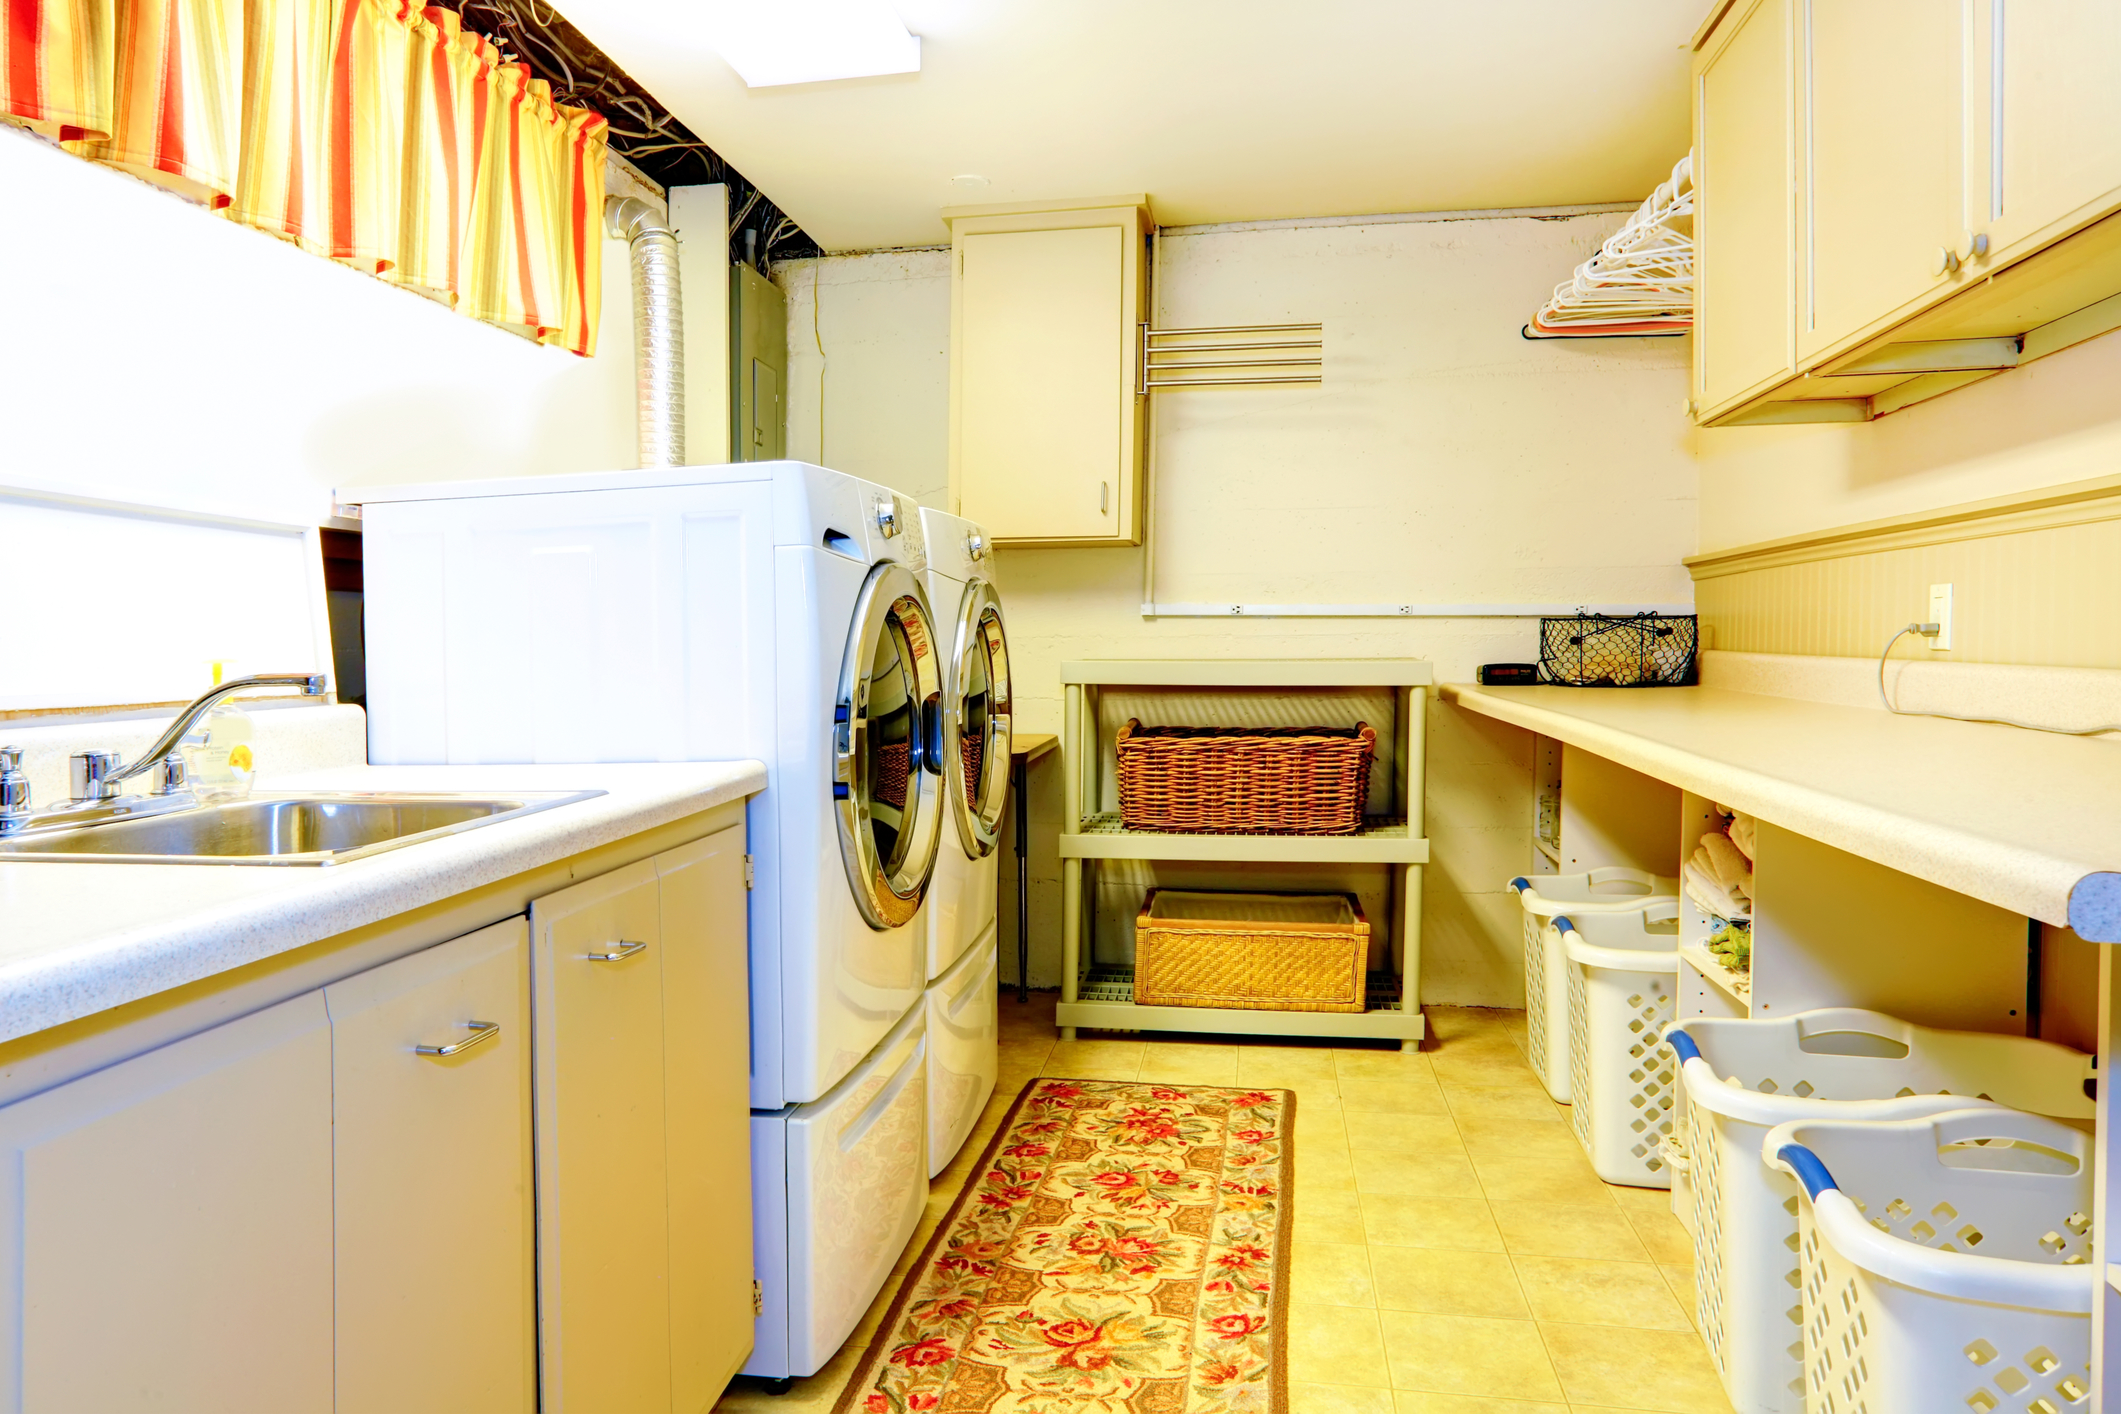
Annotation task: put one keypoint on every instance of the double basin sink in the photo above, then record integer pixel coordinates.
(315, 828)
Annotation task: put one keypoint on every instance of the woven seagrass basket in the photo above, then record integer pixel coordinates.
(1245, 780)
(1251, 952)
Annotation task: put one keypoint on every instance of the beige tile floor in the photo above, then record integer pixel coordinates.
(1454, 1253)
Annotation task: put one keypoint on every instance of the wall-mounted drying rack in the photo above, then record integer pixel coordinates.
(1232, 356)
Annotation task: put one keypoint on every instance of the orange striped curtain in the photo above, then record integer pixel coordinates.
(370, 132)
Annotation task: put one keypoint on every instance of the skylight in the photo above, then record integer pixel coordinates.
(774, 42)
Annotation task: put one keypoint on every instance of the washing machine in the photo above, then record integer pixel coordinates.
(978, 708)
(769, 610)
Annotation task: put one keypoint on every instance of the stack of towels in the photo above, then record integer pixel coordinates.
(1720, 875)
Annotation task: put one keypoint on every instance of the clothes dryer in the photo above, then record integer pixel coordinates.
(767, 610)
(978, 710)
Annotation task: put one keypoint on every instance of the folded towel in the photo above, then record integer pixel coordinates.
(1740, 887)
(1731, 868)
(1712, 897)
(1742, 835)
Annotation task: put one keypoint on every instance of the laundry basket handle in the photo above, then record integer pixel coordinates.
(1803, 1163)
(1683, 1044)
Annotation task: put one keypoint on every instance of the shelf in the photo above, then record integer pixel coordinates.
(1552, 854)
(2021, 819)
(1737, 986)
(1107, 1004)
(1381, 841)
(1280, 672)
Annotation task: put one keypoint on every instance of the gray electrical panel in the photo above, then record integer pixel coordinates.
(758, 367)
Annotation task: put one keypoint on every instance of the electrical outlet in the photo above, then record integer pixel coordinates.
(1940, 614)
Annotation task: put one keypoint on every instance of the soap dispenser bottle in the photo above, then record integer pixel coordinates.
(218, 757)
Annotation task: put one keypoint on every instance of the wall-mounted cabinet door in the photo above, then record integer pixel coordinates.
(2053, 139)
(166, 1228)
(1045, 412)
(1742, 172)
(603, 1204)
(1881, 111)
(707, 1026)
(433, 1194)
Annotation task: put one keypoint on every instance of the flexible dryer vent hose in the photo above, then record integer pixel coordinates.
(658, 329)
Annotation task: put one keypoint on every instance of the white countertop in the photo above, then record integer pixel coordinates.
(2026, 820)
(79, 938)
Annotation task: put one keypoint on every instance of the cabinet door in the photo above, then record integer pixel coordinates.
(707, 1031)
(2054, 71)
(1045, 418)
(1880, 128)
(435, 1284)
(603, 1224)
(1742, 169)
(165, 1228)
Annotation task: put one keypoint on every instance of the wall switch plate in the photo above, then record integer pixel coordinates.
(1940, 614)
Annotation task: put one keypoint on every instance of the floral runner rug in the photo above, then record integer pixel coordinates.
(1121, 1248)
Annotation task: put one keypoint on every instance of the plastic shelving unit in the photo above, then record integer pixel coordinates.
(1103, 997)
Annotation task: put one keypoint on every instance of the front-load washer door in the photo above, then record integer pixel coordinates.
(887, 748)
(976, 726)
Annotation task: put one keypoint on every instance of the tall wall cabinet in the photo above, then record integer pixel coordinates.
(1899, 197)
(1046, 304)
(327, 1204)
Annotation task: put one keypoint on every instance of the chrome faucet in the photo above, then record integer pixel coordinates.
(94, 777)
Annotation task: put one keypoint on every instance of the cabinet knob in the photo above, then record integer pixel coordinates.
(1972, 244)
(1945, 261)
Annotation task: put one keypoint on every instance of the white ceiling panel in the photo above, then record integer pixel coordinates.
(1222, 110)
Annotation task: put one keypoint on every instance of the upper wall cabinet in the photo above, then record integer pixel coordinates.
(1899, 197)
(2052, 156)
(1878, 142)
(1742, 135)
(1045, 402)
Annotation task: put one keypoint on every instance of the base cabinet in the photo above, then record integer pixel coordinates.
(328, 1205)
(641, 1017)
(166, 1228)
(433, 1210)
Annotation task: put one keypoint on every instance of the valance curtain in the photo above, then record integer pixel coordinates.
(368, 131)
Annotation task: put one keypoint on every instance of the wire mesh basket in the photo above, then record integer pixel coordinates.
(1611, 650)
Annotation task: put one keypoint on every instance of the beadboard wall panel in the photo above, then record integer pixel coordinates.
(2035, 581)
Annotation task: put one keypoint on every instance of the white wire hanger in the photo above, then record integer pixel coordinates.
(1640, 281)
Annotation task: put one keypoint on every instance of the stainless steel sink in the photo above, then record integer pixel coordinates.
(321, 828)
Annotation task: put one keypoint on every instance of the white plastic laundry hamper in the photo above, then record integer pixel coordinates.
(1623, 975)
(1947, 1262)
(1546, 978)
(1742, 1078)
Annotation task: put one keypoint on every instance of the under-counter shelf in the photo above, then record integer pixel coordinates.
(1736, 985)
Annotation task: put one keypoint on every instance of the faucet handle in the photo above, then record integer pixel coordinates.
(168, 776)
(88, 775)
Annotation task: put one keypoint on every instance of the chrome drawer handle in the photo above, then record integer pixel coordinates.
(619, 952)
(480, 1031)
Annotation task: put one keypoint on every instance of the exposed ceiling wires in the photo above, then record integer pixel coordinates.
(642, 130)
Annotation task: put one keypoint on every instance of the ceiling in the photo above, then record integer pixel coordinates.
(1221, 110)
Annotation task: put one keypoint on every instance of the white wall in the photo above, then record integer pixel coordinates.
(2053, 421)
(1445, 460)
(884, 321)
(157, 355)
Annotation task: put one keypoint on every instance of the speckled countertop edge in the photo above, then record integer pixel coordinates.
(1984, 863)
(57, 964)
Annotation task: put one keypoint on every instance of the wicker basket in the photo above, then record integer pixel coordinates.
(1245, 780)
(1251, 952)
